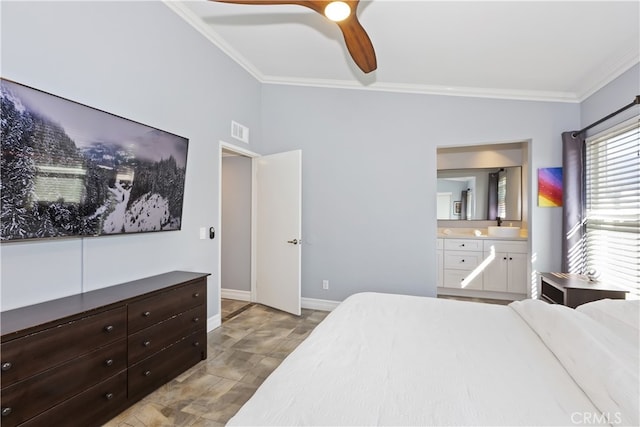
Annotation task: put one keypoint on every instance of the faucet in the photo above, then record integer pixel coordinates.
(499, 221)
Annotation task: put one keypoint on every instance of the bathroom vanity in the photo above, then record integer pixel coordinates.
(482, 210)
(482, 266)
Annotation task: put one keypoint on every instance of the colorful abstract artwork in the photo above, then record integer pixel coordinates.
(549, 187)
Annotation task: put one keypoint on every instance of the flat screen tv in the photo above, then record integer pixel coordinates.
(71, 170)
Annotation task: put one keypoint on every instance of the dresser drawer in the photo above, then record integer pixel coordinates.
(40, 351)
(506, 246)
(454, 278)
(145, 343)
(460, 260)
(39, 393)
(151, 373)
(93, 407)
(462, 245)
(149, 311)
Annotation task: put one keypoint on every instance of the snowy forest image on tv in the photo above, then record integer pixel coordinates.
(71, 170)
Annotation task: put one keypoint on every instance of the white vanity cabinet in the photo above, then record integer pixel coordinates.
(461, 257)
(507, 269)
(440, 262)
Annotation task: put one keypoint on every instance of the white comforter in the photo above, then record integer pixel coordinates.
(382, 359)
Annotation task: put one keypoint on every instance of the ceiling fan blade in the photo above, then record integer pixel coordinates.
(359, 44)
(356, 38)
(317, 5)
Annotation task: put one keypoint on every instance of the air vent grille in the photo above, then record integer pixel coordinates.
(239, 132)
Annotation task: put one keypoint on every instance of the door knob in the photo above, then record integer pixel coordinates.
(294, 241)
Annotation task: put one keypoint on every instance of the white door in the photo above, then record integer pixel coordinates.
(278, 230)
(444, 206)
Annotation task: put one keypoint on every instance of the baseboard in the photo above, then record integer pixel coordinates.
(235, 294)
(214, 322)
(319, 304)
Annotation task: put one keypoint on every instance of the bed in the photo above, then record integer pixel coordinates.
(381, 359)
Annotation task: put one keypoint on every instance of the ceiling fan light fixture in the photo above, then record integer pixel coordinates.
(337, 11)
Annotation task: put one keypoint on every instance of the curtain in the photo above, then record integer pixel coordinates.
(492, 204)
(573, 203)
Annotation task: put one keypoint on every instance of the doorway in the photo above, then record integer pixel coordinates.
(236, 240)
(260, 249)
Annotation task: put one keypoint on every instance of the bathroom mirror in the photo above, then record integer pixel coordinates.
(480, 194)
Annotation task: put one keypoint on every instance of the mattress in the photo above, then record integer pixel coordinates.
(381, 359)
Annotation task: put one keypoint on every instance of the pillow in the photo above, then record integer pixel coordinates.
(621, 317)
(603, 363)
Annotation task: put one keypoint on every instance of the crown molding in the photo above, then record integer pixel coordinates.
(192, 19)
(469, 92)
(626, 61)
(615, 70)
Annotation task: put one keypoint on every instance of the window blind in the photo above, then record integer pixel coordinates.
(612, 202)
(502, 194)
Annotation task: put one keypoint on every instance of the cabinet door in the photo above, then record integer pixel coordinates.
(496, 273)
(517, 273)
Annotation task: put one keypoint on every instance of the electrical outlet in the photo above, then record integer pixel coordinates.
(325, 285)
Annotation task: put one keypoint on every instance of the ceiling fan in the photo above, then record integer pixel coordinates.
(343, 13)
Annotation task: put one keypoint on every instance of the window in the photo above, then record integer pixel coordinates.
(502, 194)
(612, 202)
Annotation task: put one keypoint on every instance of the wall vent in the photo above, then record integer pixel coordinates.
(239, 132)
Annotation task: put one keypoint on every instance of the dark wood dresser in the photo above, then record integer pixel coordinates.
(573, 290)
(82, 359)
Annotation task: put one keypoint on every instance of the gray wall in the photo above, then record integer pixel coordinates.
(235, 233)
(369, 177)
(141, 61)
(369, 158)
(615, 95)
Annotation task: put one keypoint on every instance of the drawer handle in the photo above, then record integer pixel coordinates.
(505, 258)
(462, 260)
(6, 411)
(108, 396)
(6, 366)
(196, 344)
(147, 373)
(146, 343)
(196, 319)
(108, 362)
(462, 245)
(108, 328)
(510, 259)
(196, 295)
(146, 314)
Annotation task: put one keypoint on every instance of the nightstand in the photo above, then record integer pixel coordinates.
(573, 289)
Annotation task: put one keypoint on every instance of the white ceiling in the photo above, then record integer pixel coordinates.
(535, 50)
